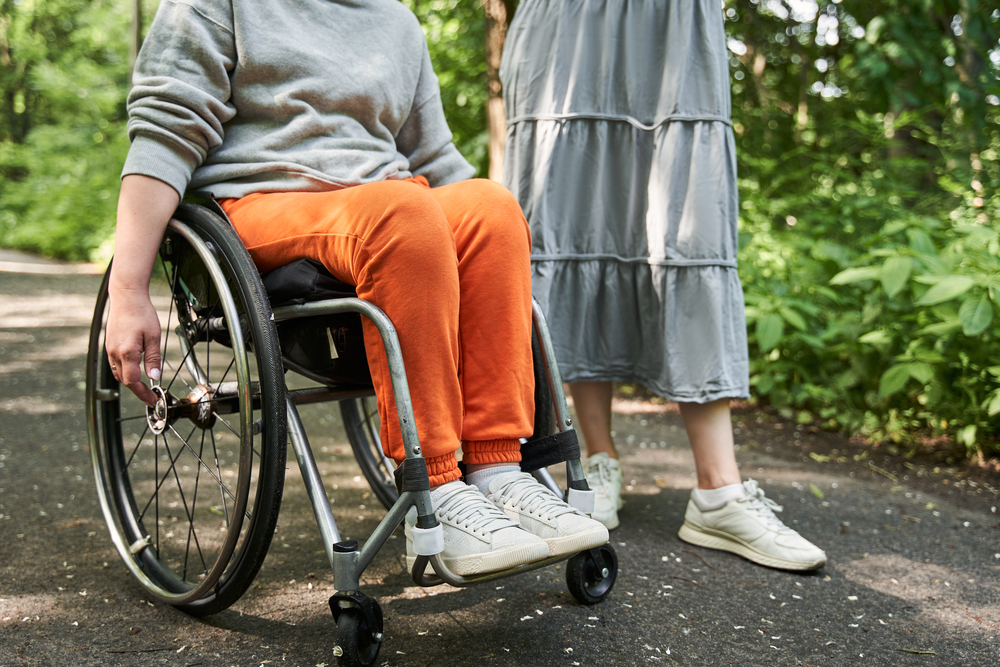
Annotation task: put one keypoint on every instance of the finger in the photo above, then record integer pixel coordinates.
(143, 393)
(151, 356)
(129, 372)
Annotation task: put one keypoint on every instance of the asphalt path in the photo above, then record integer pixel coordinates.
(913, 543)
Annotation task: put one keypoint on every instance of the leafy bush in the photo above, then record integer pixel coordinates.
(872, 306)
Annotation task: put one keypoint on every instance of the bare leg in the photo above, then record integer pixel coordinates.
(710, 430)
(593, 416)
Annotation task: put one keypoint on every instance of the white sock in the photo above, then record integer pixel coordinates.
(481, 478)
(713, 499)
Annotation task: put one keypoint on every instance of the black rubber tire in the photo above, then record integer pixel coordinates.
(582, 577)
(356, 640)
(129, 485)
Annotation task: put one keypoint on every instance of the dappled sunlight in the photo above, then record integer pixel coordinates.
(46, 310)
(34, 405)
(624, 406)
(52, 310)
(946, 596)
(38, 607)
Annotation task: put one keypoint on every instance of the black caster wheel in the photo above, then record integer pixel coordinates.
(591, 574)
(359, 632)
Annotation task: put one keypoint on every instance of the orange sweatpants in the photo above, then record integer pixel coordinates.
(450, 267)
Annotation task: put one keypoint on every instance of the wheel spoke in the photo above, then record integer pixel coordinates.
(170, 312)
(194, 507)
(137, 445)
(202, 462)
(180, 490)
(226, 424)
(128, 419)
(218, 417)
(228, 368)
(177, 371)
(215, 453)
(156, 491)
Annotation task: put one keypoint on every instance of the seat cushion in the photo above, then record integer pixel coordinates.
(303, 281)
(327, 347)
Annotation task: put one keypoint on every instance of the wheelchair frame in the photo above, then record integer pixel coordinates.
(590, 575)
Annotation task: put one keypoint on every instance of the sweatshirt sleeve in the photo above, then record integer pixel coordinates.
(180, 99)
(425, 140)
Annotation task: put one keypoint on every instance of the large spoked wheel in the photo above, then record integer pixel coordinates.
(591, 574)
(359, 642)
(362, 423)
(191, 488)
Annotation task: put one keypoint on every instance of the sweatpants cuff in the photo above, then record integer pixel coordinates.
(443, 469)
(477, 452)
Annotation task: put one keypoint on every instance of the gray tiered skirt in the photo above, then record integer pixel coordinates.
(620, 150)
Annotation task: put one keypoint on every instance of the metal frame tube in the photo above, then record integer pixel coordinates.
(311, 477)
(347, 567)
(574, 469)
(564, 422)
(394, 358)
(393, 353)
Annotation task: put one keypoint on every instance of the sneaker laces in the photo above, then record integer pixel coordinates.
(467, 507)
(599, 469)
(528, 493)
(762, 505)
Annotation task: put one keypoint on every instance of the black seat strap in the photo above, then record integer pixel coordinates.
(552, 449)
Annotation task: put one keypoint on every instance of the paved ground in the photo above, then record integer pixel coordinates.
(913, 545)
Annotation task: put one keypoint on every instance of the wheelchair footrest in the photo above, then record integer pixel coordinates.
(547, 451)
(581, 500)
(428, 541)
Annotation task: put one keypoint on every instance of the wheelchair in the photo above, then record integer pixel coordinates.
(191, 488)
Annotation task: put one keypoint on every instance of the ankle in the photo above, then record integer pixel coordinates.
(713, 499)
(482, 474)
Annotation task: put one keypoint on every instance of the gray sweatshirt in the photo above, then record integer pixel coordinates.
(242, 96)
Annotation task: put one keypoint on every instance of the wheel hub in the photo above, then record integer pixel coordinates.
(156, 416)
(203, 408)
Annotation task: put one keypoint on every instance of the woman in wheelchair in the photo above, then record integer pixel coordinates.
(318, 127)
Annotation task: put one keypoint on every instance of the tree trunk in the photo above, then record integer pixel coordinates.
(135, 38)
(802, 113)
(498, 14)
(6, 71)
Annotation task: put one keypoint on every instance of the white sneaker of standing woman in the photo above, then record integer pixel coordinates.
(747, 526)
(604, 477)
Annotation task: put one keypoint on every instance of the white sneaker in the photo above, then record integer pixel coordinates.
(604, 477)
(537, 509)
(478, 537)
(748, 527)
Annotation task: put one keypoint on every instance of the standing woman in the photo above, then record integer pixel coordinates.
(620, 151)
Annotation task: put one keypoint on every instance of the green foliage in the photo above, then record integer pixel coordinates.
(455, 31)
(868, 140)
(62, 139)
